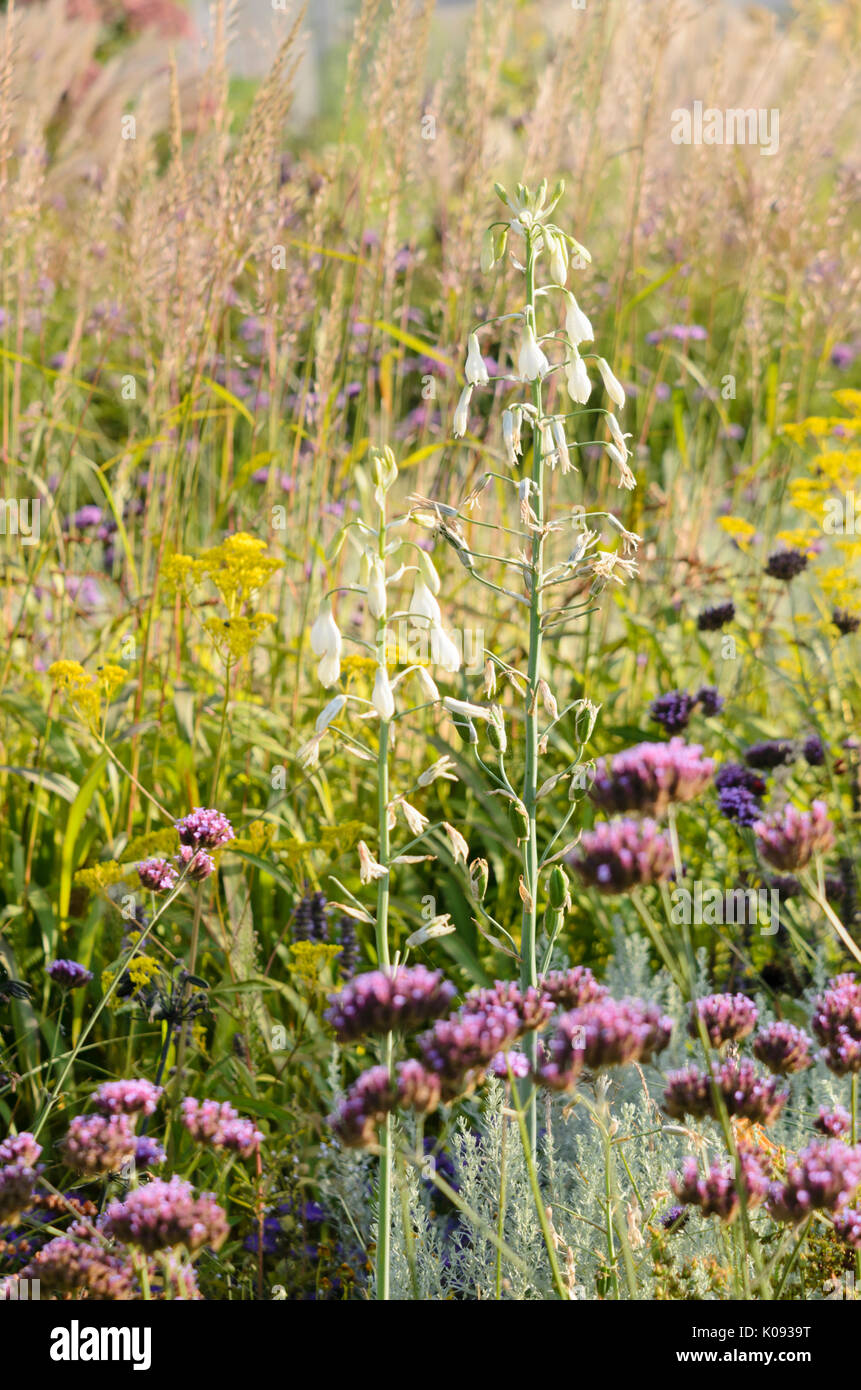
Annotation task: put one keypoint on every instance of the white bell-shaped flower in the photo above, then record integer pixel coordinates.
(475, 370)
(577, 325)
(444, 652)
(577, 379)
(382, 699)
(461, 414)
(532, 365)
(326, 643)
(612, 385)
(377, 587)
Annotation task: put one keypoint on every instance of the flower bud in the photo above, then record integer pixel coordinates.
(461, 414)
(558, 887)
(377, 588)
(479, 875)
(518, 818)
(612, 385)
(496, 730)
(475, 371)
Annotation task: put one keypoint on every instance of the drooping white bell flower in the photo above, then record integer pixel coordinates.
(444, 652)
(430, 690)
(577, 379)
(382, 699)
(475, 370)
(618, 437)
(558, 257)
(326, 643)
(465, 708)
(532, 365)
(561, 442)
(577, 325)
(461, 414)
(511, 435)
(377, 587)
(423, 604)
(626, 477)
(612, 385)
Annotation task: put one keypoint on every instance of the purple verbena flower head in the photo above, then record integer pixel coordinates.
(17, 1181)
(608, 1032)
(709, 700)
(533, 1005)
(713, 619)
(198, 863)
(418, 1089)
(744, 1093)
(836, 1023)
(845, 622)
(673, 710)
(782, 1048)
(834, 1124)
(790, 838)
(739, 805)
(622, 855)
(717, 1193)
(20, 1148)
(517, 1060)
(148, 1153)
(460, 1048)
(69, 974)
(571, 989)
(382, 1000)
(76, 1264)
(164, 1214)
(847, 1226)
(814, 751)
(786, 564)
(650, 776)
(96, 1144)
(726, 1017)
(771, 753)
(364, 1107)
(824, 1177)
(204, 829)
(127, 1097)
(157, 875)
(220, 1126)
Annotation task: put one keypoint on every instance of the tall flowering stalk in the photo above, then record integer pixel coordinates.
(587, 567)
(384, 553)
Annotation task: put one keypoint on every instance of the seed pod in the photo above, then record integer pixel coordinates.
(479, 875)
(518, 818)
(558, 887)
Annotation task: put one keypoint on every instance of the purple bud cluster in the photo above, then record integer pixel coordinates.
(713, 619)
(786, 564)
(740, 791)
(836, 1022)
(622, 855)
(744, 1093)
(650, 776)
(726, 1017)
(790, 838)
(381, 1000)
(782, 1048)
(220, 1126)
(847, 1225)
(673, 711)
(823, 1177)
(606, 1033)
(161, 1215)
(19, 1155)
(769, 754)
(69, 974)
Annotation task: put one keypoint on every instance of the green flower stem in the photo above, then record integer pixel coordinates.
(541, 1210)
(384, 1195)
(529, 934)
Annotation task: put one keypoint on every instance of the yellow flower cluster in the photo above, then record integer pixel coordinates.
(310, 959)
(142, 970)
(830, 495)
(102, 875)
(238, 568)
(233, 638)
(85, 691)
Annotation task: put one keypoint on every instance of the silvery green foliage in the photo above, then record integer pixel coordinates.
(440, 1253)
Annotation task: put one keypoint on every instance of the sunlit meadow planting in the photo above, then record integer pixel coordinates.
(430, 686)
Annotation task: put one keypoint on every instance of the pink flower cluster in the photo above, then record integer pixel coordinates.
(220, 1126)
(650, 776)
(622, 855)
(162, 1215)
(836, 1021)
(790, 838)
(606, 1033)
